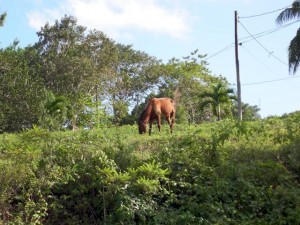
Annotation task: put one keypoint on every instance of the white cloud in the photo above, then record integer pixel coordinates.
(118, 17)
(38, 19)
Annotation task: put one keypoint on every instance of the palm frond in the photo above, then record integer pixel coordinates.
(206, 102)
(207, 94)
(294, 53)
(2, 18)
(289, 13)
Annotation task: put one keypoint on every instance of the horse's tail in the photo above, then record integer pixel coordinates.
(176, 96)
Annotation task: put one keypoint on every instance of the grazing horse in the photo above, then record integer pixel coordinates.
(154, 110)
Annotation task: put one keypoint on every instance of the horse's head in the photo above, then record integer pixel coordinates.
(142, 127)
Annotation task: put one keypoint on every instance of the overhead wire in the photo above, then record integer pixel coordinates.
(266, 81)
(257, 59)
(269, 81)
(270, 53)
(220, 51)
(267, 32)
(263, 14)
(254, 37)
(250, 38)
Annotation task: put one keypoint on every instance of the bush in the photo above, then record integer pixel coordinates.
(217, 173)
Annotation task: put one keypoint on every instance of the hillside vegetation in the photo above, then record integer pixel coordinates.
(215, 173)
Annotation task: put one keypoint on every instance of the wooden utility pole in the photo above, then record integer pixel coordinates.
(97, 106)
(238, 82)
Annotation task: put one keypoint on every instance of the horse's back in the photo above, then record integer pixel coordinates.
(164, 101)
(163, 105)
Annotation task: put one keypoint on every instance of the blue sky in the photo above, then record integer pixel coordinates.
(174, 28)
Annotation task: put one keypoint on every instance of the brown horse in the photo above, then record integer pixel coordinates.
(153, 111)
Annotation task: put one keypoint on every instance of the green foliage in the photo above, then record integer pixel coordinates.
(218, 94)
(94, 115)
(75, 78)
(21, 91)
(120, 111)
(291, 13)
(187, 77)
(78, 65)
(58, 112)
(227, 172)
(250, 113)
(2, 18)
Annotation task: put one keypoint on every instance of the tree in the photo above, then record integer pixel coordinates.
(218, 95)
(66, 59)
(58, 112)
(291, 13)
(21, 90)
(188, 76)
(132, 75)
(2, 19)
(74, 61)
(249, 112)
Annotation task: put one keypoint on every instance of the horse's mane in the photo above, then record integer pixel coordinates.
(144, 111)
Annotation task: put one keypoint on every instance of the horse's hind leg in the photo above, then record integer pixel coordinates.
(169, 121)
(157, 111)
(158, 122)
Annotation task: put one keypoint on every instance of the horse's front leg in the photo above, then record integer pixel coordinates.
(150, 126)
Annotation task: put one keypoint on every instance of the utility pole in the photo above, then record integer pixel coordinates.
(238, 82)
(97, 106)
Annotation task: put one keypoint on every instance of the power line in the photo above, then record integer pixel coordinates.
(269, 81)
(220, 51)
(254, 56)
(266, 13)
(270, 53)
(258, 35)
(267, 32)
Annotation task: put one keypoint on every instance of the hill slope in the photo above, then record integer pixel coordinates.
(217, 173)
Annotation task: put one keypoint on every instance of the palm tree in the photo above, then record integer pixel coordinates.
(2, 18)
(218, 94)
(59, 112)
(291, 13)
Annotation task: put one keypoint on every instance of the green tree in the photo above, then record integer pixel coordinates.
(188, 77)
(21, 90)
(72, 61)
(66, 60)
(58, 112)
(219, 94)
(132, 75)
(2, 19)
(75, 61)
(249, 112)
(288, 14)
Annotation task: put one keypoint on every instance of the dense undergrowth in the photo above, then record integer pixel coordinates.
(215, 173)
